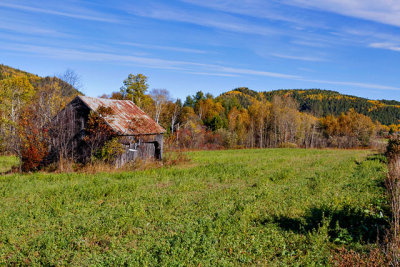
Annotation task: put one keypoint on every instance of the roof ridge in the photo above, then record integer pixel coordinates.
(106, 98)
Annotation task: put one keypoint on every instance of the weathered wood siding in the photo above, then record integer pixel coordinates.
(143, 147)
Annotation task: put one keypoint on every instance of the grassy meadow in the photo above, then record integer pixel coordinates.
(7, 162)
(232, 207)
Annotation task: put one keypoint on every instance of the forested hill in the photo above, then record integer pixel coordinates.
(324, 102)
(317, 102)
(36, 81)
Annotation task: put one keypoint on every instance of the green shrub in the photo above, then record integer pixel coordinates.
(111, 150)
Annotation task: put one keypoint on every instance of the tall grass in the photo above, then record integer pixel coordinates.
(232, 207)
(7, 162)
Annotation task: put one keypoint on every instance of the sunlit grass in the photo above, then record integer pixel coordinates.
(235, 207)
(7, 162)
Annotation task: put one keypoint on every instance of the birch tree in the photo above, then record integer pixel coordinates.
(160, 98)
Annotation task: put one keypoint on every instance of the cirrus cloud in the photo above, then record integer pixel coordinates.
(382, 11)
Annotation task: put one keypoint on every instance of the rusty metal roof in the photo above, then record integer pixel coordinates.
(128, 119)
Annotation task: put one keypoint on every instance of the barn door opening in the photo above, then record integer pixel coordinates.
(157, 152)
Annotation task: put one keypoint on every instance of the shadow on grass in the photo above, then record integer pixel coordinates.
(347, 224)
(381, 158)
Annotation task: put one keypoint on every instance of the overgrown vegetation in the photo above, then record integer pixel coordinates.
(227, 207)
(388, 251)
(27, 105)
(392, 183)
(97, 133)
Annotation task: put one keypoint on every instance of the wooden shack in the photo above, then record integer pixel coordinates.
(139, 134)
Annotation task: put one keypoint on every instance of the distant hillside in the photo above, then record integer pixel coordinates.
(315, 101)
(67, 89)
(324, 102)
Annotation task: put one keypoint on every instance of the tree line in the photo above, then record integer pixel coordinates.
(240, 118)
(322, 103)
(243, 118)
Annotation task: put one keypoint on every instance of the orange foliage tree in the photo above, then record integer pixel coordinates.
(348, 130)
(34, 141)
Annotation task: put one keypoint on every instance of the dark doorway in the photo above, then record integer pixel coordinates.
(157, 153)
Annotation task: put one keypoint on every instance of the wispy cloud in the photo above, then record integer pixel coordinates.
(217, 21)
(212, 74)
(387, 46)
(383, 11)
(270, 10)
(367, 33)
(31, 30)
(185, 66)
(20, 26)
(167, 48)
(157, 63)
(302, 58)
(291, 22)
(354, 84)
(76, 15)
(181, 66)
(311, 43)
(254, 72)
(296, 13)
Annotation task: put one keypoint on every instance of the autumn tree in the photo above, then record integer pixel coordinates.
(37, 120)
(348, 130)
(116, 96)
(33, 139)
(15, 93)
(308, 135)
(239, 123)
(134, 88)
(49, 100)
(258, 111)
(210, 112)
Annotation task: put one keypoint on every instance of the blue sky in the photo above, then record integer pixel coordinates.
(352, 46)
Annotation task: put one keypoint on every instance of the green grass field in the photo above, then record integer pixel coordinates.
(6, 163)
(235, 207)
